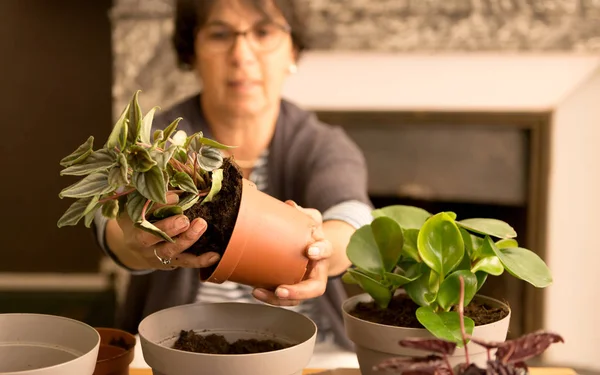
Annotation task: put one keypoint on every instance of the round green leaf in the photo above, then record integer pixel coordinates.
(526, 265)
(491, 265)
(444, 325)
(504, 243)
(398, 280)
(409, 247)
(419, 290)
(491, 227)
(449, 293)
(347, 278)
(388, 236)
(380, 294)
(440, 244)
(408, 217)
(363, 251)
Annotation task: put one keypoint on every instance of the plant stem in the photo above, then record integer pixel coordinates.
(461, 317)
(194, 175)
(180, 166)
(448, 364)
(144, 209)
(116, 196)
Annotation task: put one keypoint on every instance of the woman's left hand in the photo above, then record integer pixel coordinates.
(314, 285)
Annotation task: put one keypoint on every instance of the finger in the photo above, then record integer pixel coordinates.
(172, 226)
(313, 286)
(270, 298)
(319, 250)
(313, 213)
(184, 240)
(192, 261)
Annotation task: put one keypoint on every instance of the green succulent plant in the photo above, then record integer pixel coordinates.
(135, 169)
(426, 254)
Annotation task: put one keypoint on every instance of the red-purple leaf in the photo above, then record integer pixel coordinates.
(486, 344)
(471, 369)
(499, 368)
(422, 365)
(430, 345)
(526, 347)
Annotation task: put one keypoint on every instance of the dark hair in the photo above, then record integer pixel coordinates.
(191, 15)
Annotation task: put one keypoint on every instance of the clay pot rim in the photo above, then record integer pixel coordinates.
(264, 354)
(125, 351)
(351, 301)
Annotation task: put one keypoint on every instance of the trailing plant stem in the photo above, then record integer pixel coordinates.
(115, 196)
(145, 208)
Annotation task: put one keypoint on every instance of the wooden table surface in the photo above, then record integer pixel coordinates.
(532, 371)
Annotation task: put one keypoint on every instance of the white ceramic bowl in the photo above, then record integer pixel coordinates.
(37, 344)
(159, 331)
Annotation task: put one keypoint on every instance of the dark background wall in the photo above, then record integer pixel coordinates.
(55, 91)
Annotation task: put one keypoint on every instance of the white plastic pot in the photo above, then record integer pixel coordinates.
(377, 342)
(159, 331)
(37, 344)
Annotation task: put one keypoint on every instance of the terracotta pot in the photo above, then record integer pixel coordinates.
(377, 342)
(116, 352)
(268, 244)
(159, 331)
(38, 344)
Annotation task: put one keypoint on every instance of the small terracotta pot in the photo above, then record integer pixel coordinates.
(116, 352)
(268, 244)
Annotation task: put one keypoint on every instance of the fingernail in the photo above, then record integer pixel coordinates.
(213, 259)
(198, 226)
(282, 293)
(313, 251)
(182, 222)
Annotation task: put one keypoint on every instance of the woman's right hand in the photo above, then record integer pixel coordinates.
(146, 249)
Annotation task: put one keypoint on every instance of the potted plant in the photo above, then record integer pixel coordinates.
(409, 263)
(509, 358)
(261, 240)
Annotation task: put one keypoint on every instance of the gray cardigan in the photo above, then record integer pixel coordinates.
(312, 163)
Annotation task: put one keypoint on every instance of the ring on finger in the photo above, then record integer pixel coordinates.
(165, 261)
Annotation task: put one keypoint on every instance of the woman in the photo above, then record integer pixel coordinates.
(242, 51)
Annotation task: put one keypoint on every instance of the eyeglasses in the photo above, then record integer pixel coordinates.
(262, 37)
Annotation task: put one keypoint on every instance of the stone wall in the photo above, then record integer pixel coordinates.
(144, 59)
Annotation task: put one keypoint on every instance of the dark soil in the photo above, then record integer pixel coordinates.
(220, 214)
(216, 344)
(401, 312)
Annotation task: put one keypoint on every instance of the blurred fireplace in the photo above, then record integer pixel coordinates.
(474, 164)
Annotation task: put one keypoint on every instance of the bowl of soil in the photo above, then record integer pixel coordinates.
(116, 351)
(227, 339)
(376, 331)
(38, 344)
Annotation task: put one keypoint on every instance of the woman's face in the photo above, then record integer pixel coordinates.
(243, 74)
